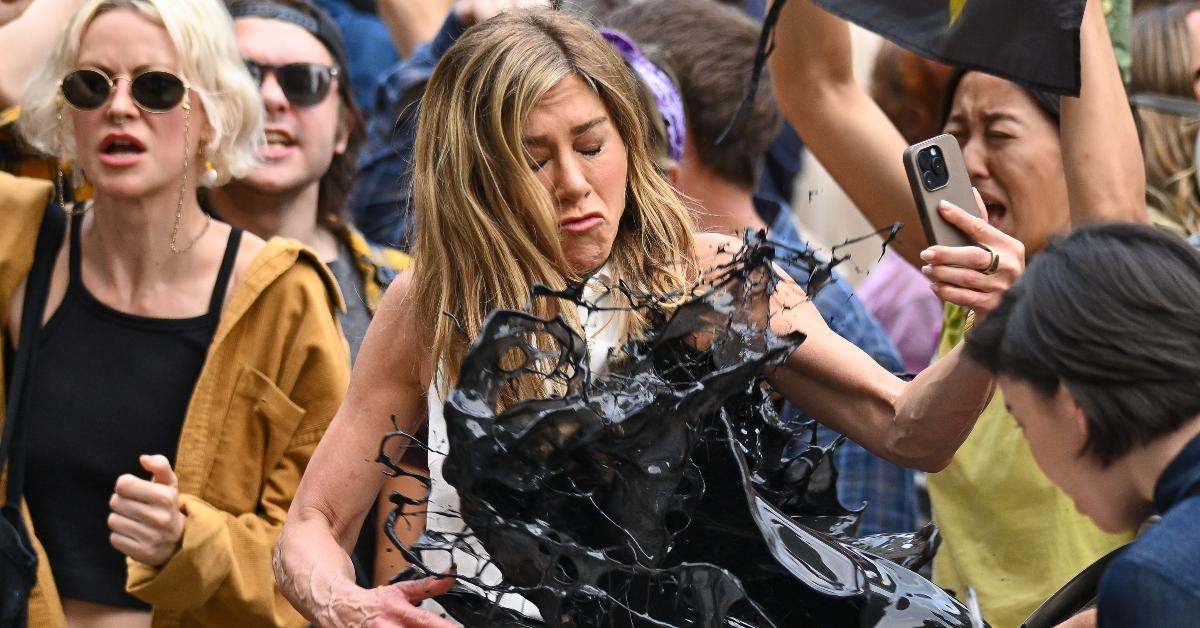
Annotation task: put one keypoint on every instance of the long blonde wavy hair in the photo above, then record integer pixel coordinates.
(1160, 47)
(487, 230)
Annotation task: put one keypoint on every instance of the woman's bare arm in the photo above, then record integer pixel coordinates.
(27, 42)
(312, 564)
(1102, 158)
(413, 22)
(813, 81)
(916, 424)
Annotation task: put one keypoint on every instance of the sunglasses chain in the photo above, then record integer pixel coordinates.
(187, 116)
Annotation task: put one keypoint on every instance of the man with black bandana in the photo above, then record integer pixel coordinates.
(295, 52)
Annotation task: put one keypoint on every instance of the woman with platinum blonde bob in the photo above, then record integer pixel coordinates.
(185, 370)
(533, 166)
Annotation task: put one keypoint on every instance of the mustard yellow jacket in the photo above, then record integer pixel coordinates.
(273, 377)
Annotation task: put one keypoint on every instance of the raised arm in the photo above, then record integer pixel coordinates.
(27, 41)
(312, 563)
(919, 423)
(813, 81)
(1102, 158)
(915, 424)
(412, 22)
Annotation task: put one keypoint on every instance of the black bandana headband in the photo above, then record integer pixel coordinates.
(318, 23)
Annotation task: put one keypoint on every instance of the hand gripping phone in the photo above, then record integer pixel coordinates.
(936, 172)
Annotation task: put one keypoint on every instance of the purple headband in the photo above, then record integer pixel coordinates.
(666, 97)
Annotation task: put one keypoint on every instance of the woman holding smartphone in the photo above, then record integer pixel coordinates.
(1041, 166)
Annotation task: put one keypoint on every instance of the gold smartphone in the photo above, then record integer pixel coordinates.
(936, 172)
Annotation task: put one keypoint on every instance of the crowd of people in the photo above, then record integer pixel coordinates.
(242, 241)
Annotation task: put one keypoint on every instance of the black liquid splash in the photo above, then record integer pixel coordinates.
(656, 493)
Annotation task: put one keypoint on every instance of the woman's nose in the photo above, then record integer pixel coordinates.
(975, 159)
(122, 104)
(570, 185)
(272, 94)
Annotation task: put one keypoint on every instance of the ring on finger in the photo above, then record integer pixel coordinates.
(993, 265)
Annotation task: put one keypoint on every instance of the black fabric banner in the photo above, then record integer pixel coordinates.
(1031, 42)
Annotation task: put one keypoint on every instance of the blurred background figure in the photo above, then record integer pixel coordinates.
(28, 30)
(1164, 87)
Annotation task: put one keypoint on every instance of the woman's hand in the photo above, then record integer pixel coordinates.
(971, 276)
(391, 606)
(146, 522)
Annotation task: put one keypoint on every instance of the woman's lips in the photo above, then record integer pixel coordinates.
(582, 223)
(120, 160)
(120, 150)
(275, 152)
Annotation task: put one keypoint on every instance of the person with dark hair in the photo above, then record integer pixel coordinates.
(1097, 351)
(313, 129)
(1041, 166)
(718, 181)
(1164, 90)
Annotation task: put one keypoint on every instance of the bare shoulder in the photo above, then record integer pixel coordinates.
(396, 342)
(248, 250)
(398, 306)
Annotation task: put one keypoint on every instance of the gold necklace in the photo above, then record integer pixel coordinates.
(203, 230)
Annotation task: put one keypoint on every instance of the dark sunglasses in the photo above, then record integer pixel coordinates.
(155, 91)
(304, 84)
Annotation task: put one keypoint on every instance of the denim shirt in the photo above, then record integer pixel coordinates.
(1156, 582)
(889, 490)
(382, 194)
(369, 47)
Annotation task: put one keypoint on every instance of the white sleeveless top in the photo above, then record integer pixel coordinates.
(603, 330)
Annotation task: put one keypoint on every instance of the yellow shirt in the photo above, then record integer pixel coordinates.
(1007, 531)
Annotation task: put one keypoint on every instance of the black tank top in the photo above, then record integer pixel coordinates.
(108, 387)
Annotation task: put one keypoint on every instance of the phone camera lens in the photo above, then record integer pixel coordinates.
(929, 179)
(938, 165)
(923, 160)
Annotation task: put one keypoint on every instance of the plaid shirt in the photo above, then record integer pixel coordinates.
(889, 490)
(382, 195)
